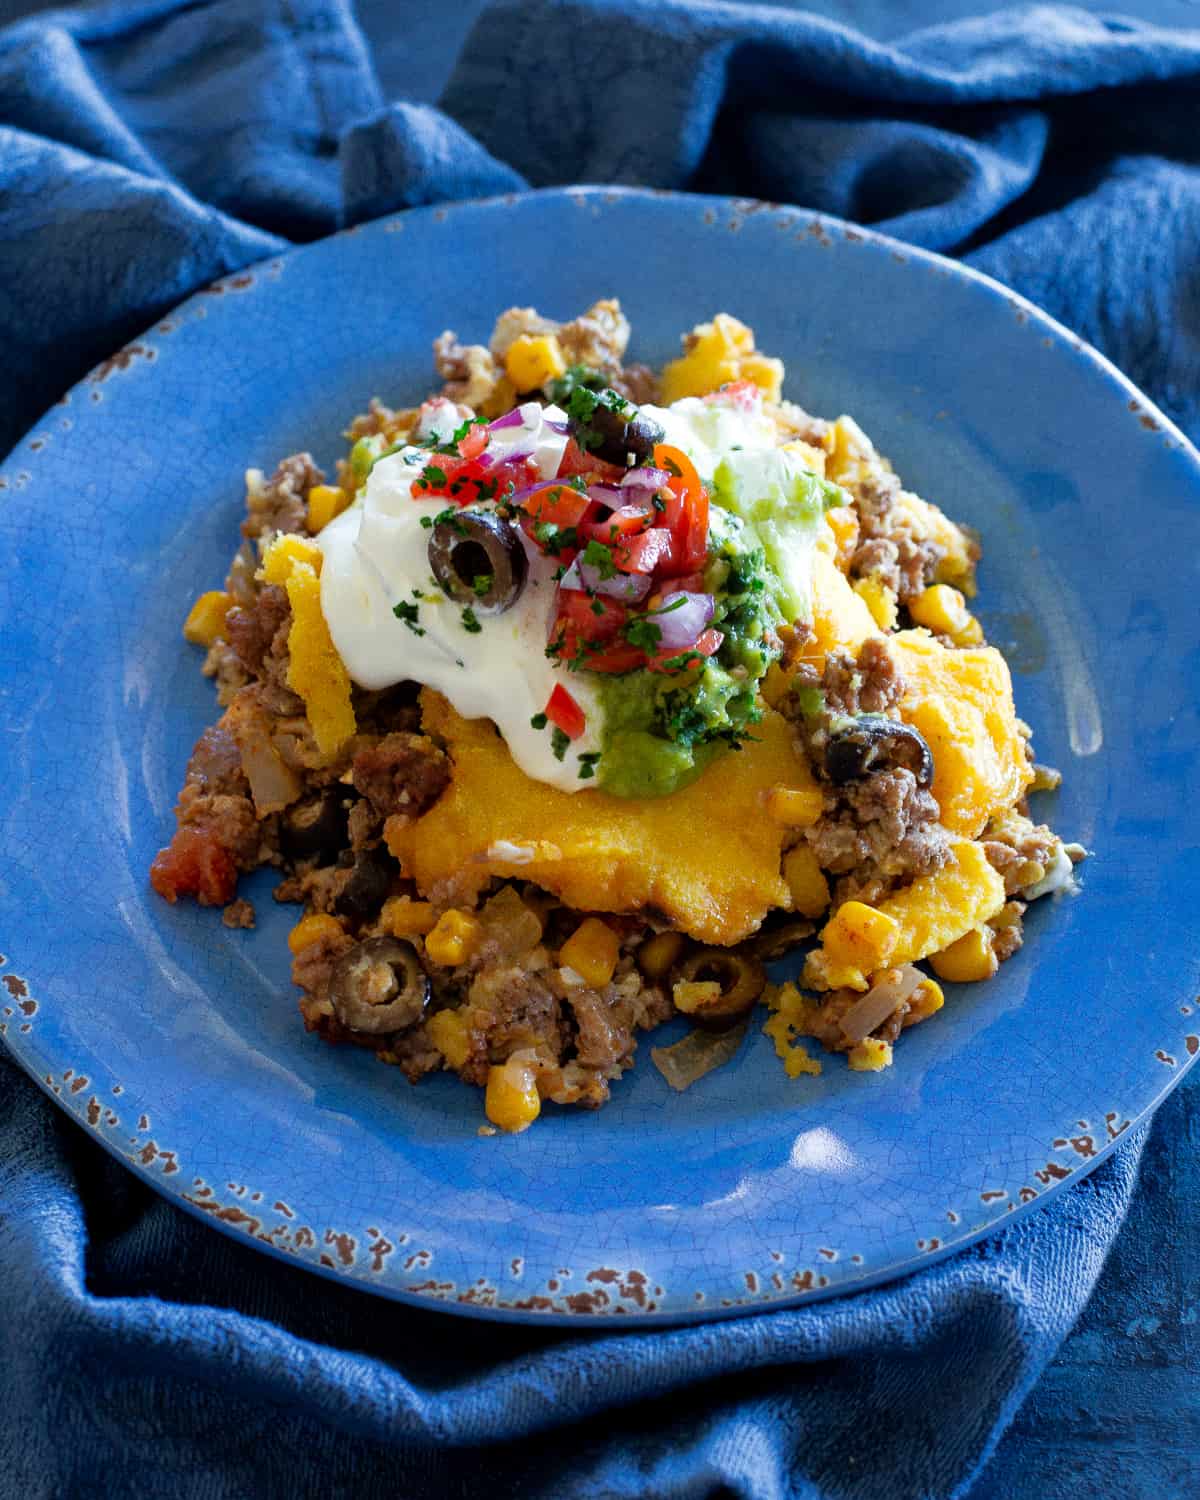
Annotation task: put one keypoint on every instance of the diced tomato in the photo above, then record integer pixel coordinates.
(706, 644)
(557, 504)
(475, 442)
(196, 864)
(653, 551)
(588, 630)
(597, 618)
(617, 658)
(467, 480)
(629, 520)
(682, 470)
(686, 516)
(692, 533)
(565, 713)
(576, 461)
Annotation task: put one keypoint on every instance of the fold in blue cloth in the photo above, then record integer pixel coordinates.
(147, 149)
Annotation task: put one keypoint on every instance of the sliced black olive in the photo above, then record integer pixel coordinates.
(379, 986)
(777, 938)
(619, 432)
(875, 743)
(742, 980)
(370, 880)
(478, 558)
(315, 827)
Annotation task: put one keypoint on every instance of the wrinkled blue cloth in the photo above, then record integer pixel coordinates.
(147, 149)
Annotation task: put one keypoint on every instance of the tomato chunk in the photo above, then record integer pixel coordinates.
(686, 517)
(629, 520)
(555, 504)
(565, 714)
(587, 631)
(475, 441)
(651, 552)
(466, 481)
(576, 461)
(196, 864)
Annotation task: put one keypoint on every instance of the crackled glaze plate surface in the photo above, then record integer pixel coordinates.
(177, 1042)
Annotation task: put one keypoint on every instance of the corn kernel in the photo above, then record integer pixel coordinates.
(861, 936)
(403, 917)
(924, 1002)
(657, 954)
(448, 1032)
(691, 995)
(309, 929)
(533, 359)
(454, 938)
(512, 1100)
(971, 633)
(842, 522)
(206, 618)
(806, 881)
(286, 550)
(324, 502)
(591, 951)
(871, 1055)
(879, 599)
(793, 806)
(940, 608)
(970, 959)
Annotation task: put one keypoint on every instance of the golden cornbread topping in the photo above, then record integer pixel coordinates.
(583, 694)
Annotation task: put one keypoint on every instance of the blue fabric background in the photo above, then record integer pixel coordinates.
(146, 149)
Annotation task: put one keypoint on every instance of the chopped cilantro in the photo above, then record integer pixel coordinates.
(451, 517)
(481, 583)
(581, 407)
(558, 744)
(408, 613)
(642, 632)
(559, 390)
(434, 444)
(427, 522)
(600, 557)
(587, 765)
(554, 539)
(597, 607)
(539, 721)
(432, 475)
(470, 622)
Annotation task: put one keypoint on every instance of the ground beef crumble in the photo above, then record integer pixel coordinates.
(883, 830)
(279, 503)
(403, 773)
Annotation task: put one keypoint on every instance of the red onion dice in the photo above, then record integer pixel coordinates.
(645, 479)
(631, 587)
(682, 618)
(509, 419)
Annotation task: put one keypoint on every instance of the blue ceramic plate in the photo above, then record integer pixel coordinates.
(177, 1042)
